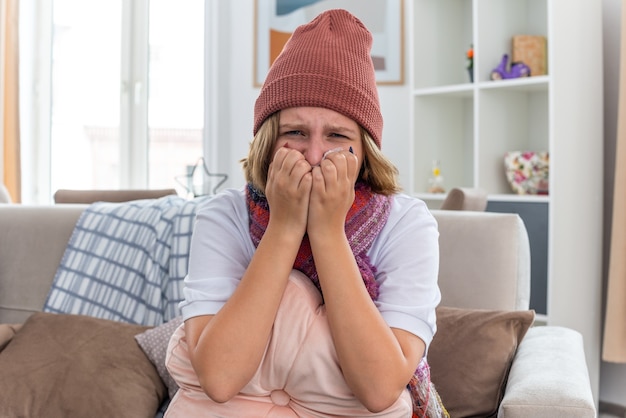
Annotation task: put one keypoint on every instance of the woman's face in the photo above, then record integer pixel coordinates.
(315, 130)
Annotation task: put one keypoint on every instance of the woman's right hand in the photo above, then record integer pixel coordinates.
(227, 348)
(288, 189)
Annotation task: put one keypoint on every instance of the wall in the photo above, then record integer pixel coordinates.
(612, 376)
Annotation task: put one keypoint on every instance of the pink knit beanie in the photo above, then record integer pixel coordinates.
(326, 63)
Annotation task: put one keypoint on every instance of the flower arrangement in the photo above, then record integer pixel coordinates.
(470, 57)
(469, 54)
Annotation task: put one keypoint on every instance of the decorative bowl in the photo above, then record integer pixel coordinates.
(527, 171)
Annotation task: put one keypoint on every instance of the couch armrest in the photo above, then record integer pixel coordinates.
(549, 377)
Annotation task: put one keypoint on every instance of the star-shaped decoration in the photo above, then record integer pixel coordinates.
(199, 181)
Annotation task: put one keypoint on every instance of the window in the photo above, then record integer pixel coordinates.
(123, 89)
(176, 88)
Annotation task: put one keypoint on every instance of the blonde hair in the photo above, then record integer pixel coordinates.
(377, 171)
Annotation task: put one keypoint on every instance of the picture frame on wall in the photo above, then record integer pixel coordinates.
(275, 21)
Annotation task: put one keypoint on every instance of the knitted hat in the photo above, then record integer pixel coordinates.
(326, 63)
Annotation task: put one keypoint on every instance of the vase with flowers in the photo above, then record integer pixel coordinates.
(469, 54)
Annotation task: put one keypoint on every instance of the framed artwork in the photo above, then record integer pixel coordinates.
(275, 21)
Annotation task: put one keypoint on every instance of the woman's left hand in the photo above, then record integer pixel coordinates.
(332, 193)
(377, 376)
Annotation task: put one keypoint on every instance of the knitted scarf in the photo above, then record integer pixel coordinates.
(365, 219)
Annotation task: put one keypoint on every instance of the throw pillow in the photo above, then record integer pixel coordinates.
(61, 365)
(470, 357)
(154, 343)
(7, 331)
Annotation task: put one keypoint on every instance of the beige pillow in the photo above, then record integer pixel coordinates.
(69, 366)
(470, 357)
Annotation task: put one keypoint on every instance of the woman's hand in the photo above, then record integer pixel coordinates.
(288, 190)
(377, 376)
(332, 192)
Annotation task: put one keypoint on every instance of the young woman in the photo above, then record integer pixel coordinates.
(312, 290)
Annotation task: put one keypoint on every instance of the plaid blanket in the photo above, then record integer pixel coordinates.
(126, 261)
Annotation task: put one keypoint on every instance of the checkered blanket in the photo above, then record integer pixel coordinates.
(126, 261)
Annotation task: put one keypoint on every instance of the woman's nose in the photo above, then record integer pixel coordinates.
(314, 151)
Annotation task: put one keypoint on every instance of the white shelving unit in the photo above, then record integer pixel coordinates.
(468, 126)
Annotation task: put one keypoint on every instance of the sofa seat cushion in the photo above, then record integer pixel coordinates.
(69, 366)
(471, 355)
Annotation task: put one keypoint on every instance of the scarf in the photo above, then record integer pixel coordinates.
(365, 219)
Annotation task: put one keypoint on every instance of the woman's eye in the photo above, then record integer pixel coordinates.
(293, 133)
(335, 135)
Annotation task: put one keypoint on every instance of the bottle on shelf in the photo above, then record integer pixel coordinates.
(436, 180)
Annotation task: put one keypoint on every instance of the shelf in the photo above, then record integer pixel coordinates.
(539, 83)
(519, 198)
(443, 31)
(448, 139)
(494, 198)
(468, 128)
(529, 84)
(508, 120)
(458, 90)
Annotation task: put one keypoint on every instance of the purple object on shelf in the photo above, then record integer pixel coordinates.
(518, 69)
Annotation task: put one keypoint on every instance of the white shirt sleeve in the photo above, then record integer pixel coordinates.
(221, 249)
(406, 257)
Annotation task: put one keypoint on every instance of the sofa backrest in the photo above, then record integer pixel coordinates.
(124, 195)
(484, 257)
(32, 242)
(484, 260)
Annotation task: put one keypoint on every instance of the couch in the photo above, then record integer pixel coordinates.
(488, 358)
